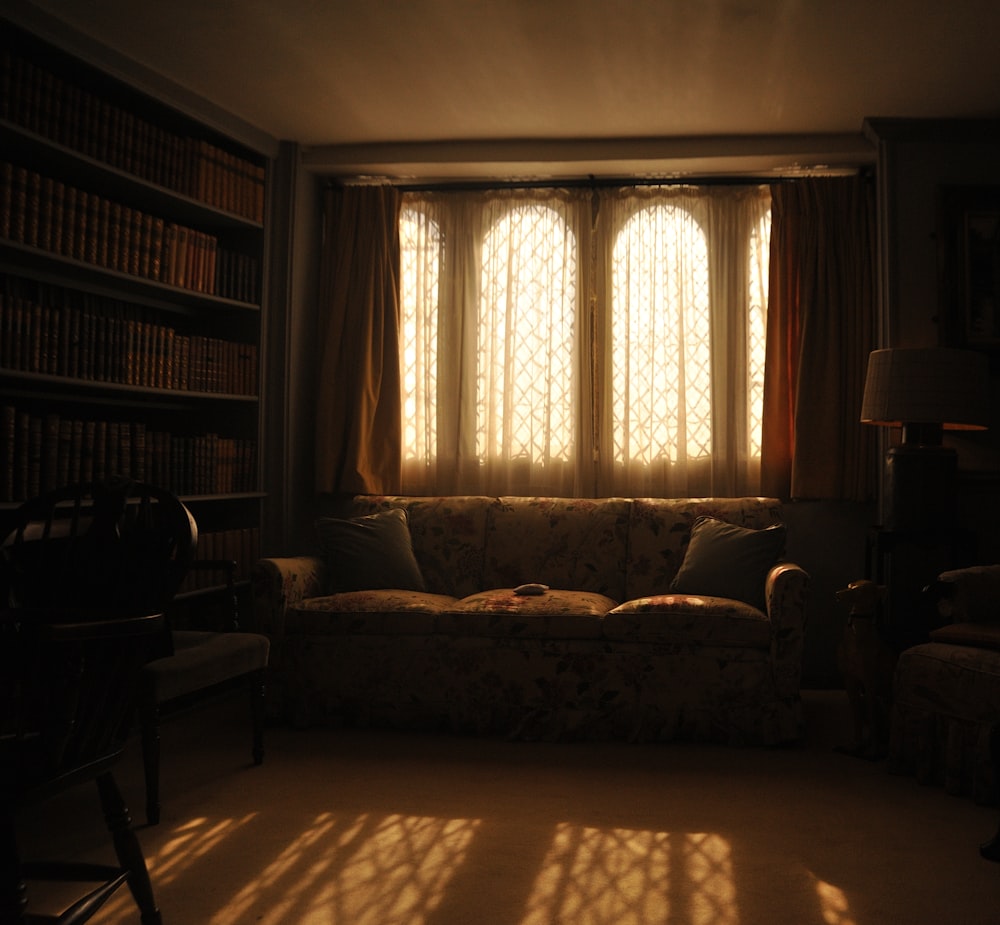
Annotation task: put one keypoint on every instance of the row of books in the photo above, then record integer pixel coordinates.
(240, 545)
(66, 333)
(77, 118)
(43, 451)
(46, 213)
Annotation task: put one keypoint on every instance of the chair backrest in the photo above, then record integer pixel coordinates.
(115, 548)
(87, 572)
(68, 692)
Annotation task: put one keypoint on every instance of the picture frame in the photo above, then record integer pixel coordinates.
(969, 231)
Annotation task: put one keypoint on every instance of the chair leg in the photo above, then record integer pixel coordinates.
(991, 849)
(13, 890)
(127, 848)
(257, 704)
(151, 759)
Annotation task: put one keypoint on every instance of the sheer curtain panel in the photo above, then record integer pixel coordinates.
(584, 342)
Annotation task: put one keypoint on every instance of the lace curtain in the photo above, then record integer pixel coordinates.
(582, 343)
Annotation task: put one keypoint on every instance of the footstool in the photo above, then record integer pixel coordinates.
(946, 703)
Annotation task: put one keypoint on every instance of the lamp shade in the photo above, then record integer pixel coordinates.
(927, 385)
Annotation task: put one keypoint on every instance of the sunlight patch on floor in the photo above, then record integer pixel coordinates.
(625, 877)
(396, 872)
(833, 904)
(188, 844)
(372, 869)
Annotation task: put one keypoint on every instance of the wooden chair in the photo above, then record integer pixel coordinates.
(186, 664)
(201, 662)
(83, 571)
(69, 689)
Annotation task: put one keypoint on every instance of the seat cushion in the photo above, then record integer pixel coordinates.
(552, 615)
(383, 612)
(202, 659)
(699, 620)
(979, 635)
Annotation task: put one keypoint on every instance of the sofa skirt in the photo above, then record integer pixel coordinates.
(539, 689)
(946, 702)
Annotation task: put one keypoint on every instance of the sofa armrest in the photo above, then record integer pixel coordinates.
(280, 583)
(968, 595)
(785, 593)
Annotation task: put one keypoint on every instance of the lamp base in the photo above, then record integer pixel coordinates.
(921, 487)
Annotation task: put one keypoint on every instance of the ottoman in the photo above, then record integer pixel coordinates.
(946, 703)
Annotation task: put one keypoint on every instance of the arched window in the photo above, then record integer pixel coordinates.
(661, 332)
(527, 331)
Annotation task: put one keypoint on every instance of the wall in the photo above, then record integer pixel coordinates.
(827, 539)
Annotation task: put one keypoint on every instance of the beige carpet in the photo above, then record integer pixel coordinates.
(349, 827)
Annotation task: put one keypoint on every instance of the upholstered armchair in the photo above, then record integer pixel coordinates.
(946, 691)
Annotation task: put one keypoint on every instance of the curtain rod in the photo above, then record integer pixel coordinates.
(593, 182)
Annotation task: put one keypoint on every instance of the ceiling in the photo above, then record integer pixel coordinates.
(543, 87)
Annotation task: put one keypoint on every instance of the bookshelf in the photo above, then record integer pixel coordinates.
(132, 252)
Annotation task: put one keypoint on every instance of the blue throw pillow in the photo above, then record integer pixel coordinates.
(370, 552)
(725, 560)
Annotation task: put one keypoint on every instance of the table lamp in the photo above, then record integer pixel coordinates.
(924, 390)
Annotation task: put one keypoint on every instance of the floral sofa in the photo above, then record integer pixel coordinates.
(657, 619)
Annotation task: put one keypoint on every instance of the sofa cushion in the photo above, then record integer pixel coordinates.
(725, 560)
(578, 543)
(369, 552)
(378, 612)
(552, 615)
(697, 620)
(980, 635)
(448, 536)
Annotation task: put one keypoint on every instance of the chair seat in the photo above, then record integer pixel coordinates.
(202, 659)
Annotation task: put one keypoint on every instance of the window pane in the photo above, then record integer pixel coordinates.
(526, 338)
(661, 355)
(760, 247)
(420, 265)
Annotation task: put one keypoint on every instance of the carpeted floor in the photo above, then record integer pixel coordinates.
(355, 827)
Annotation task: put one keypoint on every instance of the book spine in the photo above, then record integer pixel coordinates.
(8, 428)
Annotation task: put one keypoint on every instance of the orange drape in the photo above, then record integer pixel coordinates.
(358, 406)
(821, 328)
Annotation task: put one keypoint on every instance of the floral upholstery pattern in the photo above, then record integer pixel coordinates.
(659, 530)
(278, 584)
(448, 534)
(565, 543)
(553, 615)
(552, 689)
(686, 618)
(588, 658)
